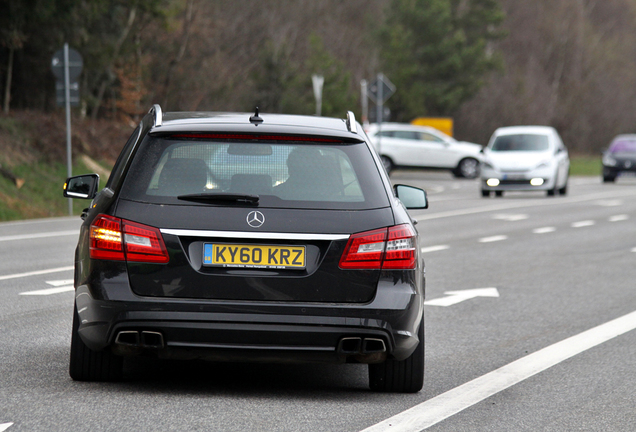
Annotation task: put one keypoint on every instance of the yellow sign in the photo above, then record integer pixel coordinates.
(443, 124)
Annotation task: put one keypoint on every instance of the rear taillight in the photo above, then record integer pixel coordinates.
(144, 243)
(364, 250)
(386, 248)
(121, 240)
(106, 239)
(400, 248)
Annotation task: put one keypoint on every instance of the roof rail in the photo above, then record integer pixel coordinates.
(351, 122)
(156, 110)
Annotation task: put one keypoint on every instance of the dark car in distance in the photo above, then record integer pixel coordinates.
(620, 158)
(238, 237)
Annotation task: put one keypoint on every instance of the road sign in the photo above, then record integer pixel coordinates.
(318, 81)
(380, 89)
(75, 65)
(60, 96)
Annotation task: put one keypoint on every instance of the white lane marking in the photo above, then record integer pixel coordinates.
(455, 297)
(35, 273)
(39, 235)
(48, 291)
(544, 230)
(57, 283)
(441, 407)
(582, 224)
(610, 203)
(514, 205)
(5, 426)
(634, 250)
(510, 217)
(434, 248)
(493, 239)
(618, 218)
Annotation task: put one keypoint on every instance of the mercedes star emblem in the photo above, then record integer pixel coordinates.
(255, 219)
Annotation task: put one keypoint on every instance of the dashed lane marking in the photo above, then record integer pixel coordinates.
(434, 248)
(61, 286)
(441, 407)
(5, 426)
(582, 224)
(544, 230)
(39, 235)
(48, 291)
(35, 273)
(493, 239)
(610, 203)
(510, 217)
(57, 283)
(516, 205)
(618, 218)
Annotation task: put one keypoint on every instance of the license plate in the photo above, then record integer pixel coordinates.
(513, 177)
(253, 256)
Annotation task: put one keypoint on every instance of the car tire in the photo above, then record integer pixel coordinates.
(499, 194)
(467, 168)
(564, 189)
(485, 193)
(88, 365)
(400, 376)
(388, 163)
(609, 179)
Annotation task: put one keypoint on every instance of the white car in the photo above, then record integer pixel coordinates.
(525, 158)
(406, 145)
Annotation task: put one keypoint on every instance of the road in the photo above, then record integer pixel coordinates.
(546, 344)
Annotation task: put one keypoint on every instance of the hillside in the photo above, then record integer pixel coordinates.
(33, 160)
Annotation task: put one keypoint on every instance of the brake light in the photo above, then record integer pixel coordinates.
(105, 239)
(122, 240)
(243, 137)
(386, 248)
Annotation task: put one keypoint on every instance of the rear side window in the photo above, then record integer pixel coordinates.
(521, 142)
(287, 174)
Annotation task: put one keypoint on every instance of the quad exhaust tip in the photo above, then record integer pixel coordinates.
(140, 339)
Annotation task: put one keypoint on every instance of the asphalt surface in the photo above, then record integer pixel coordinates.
(556, 269)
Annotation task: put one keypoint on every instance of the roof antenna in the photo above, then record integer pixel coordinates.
(255, 118)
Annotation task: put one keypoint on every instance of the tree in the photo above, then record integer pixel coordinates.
(437, 53)
(283, 85)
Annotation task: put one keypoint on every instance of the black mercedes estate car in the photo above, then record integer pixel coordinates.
(247, 237)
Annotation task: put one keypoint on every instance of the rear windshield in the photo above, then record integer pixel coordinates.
(282, 174)
(623, 145)
(521, 142)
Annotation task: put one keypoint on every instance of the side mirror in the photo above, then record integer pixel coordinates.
(83, 186)
(412, 197)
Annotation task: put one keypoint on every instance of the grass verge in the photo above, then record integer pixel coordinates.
(585, 166)
(41, 194)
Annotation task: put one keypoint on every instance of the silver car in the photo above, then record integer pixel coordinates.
(525, 158)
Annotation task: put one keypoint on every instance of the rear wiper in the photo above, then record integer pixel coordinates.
(220, 196)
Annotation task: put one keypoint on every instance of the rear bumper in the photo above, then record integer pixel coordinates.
(256, 331)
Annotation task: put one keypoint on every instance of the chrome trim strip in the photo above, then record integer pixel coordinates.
(254, 235)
